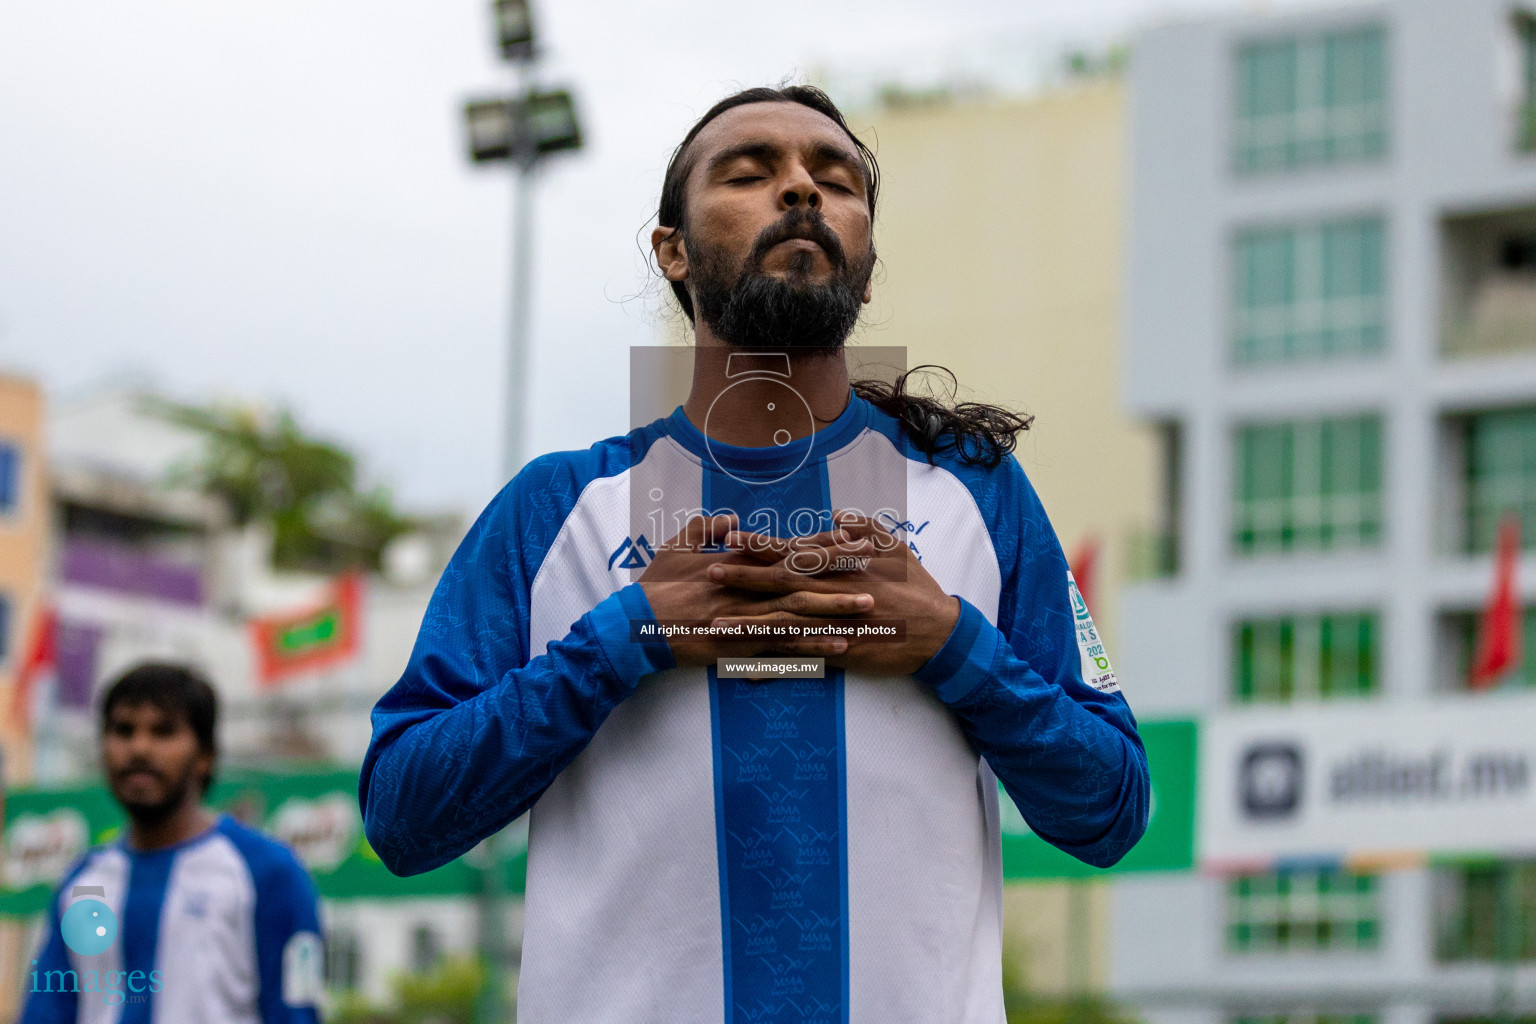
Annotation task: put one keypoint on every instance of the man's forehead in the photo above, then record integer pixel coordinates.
(144, 708)
(790, 125)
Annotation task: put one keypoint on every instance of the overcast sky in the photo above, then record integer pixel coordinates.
(267, 199)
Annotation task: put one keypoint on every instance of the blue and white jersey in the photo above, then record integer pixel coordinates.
(220, 929)
(706, 849)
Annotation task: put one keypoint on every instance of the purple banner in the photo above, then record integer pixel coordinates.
(77, 644)
(123, 570)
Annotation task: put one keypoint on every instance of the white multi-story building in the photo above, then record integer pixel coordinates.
(1332, 314)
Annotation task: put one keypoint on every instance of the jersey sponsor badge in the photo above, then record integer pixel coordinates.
(1097, 672)
(303, 978)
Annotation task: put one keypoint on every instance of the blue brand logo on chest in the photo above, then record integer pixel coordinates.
(635, 554)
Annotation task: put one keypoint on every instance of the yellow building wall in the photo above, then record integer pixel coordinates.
(23, 550)
(999, 232)
(1000, 239)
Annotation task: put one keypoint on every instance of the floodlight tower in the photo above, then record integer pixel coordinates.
(522, 130)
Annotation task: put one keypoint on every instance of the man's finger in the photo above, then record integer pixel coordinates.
(775, 549)
(702, 530)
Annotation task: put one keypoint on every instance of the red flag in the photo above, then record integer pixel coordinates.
(1499, 634)
(1083, 564)
(42, 658)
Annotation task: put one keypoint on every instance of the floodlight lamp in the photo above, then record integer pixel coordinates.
(549, 119)
(491, 129)
(514, 29)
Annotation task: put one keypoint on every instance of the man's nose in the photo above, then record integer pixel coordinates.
(801, 190)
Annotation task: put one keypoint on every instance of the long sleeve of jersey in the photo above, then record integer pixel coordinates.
(50, 995)
(1066, 752)
(474, 730)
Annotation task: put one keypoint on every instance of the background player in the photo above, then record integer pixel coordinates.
(189, 917)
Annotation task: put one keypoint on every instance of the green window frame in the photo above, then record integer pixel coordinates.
(1525, 29)
(1311, 101)
(1303, 910)
(1307, 485)
(1300, 657)
(1468, 923)
(1310, 291)
(1500, 476)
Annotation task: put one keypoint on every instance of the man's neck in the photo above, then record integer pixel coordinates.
(187, 821)
(748, 410)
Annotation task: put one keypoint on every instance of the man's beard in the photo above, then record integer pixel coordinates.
(153, 813)
(755, 310)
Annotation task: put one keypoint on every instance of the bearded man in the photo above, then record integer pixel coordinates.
(819, 846)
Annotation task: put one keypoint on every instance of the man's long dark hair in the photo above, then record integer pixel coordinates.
(976, 433)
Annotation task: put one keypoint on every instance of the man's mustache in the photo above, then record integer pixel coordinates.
(138, 766)
(799, 222)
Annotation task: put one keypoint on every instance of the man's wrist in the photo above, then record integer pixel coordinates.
(631, 654)
(965, 659)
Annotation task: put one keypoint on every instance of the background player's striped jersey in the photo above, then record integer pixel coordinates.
(220, 929)
(794, 850)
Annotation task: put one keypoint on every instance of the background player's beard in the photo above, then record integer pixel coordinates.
(750, 309)
(156, 812)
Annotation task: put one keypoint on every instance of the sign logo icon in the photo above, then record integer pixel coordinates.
(1270, 785)
(88, 927)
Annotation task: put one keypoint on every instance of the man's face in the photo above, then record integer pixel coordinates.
(776, 244)
(152, 760)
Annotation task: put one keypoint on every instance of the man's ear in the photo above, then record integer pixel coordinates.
(671, 253)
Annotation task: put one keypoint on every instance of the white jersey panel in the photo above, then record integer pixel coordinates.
(622, 848)
(107, 868)
(923, 834)
(207, 938)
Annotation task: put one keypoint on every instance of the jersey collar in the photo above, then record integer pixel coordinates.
(775, 459)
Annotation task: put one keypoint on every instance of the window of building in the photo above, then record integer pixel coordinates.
(1303, 911)
(1307, 485)
(1501, 476)
(10, 478)
(1469, 897)
(426, 948)
(1460, 631)
(343, 959)
(1311, 101)
(1310, 292)
(1154, 553)
(1525, 32)
(1300, 657)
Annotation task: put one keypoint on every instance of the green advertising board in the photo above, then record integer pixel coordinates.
(315, 812)
(1169, 844)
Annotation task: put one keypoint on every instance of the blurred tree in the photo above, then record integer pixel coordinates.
(1026, 1007)
(444, 995)
(266, 469)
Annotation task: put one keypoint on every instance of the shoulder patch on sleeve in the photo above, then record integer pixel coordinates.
(1097, 672)
(303, 979)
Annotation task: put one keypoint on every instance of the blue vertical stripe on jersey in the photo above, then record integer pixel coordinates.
(149, 873)
(780, 803)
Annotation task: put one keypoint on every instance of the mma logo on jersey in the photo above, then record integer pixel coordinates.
(1097, 672)
(635, 554)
